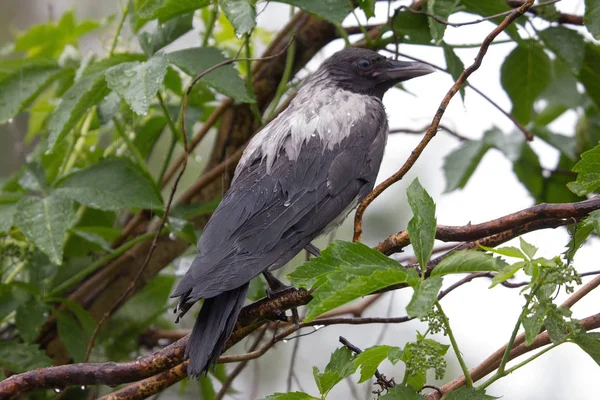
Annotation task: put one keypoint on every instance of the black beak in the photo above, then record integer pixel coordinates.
(404, 70)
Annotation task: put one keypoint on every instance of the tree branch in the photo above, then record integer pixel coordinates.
(561, 211)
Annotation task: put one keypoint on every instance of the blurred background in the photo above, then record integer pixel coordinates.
(482, 319)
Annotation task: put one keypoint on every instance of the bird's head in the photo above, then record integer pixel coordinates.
(367, 72)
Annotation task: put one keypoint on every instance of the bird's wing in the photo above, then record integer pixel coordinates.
(267, 217)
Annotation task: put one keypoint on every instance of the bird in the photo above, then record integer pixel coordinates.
(298, 178)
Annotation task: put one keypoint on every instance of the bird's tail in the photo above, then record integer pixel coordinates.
(212, 329)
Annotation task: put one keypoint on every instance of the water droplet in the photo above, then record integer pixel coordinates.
(92, 148)
(317, 327)
(172, 236)
(131, 136)
(29, 158)
(56, 390)
(82, 387)
(285, 340)
(287, 203)
(197, 158)
(328, 130)
(129, 73)
(313, 134)
(10, 120)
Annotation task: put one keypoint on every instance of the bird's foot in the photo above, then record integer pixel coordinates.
(275, 287)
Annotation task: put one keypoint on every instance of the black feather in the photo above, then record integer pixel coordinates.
(212, 329)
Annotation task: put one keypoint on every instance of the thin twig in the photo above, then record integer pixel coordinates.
(382, 381)
(432, 131)
(528, 135)
(451, 132)
(477, 21)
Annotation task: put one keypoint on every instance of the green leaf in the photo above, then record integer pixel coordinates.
(588, 173)
(590, 343)
(241, 14)
(412, 28)
(533, 323)
(589, 76)
(507, 272)
(467, 261)
(45, 221)
(582, 231)
(402, 393)
(424, 297)
(166, 33)
(567, 44)
(460, 164)
(226, 80)
(340, 366)
(454, 65)
(508, 251)
(19, 357)
(7, 212)
(20, 88)
(421, 228)
(528, 170)
(333, 11)
(441, 9)
(525, 73)
(207, 389)
(112, 184)
(72, 335)
(148, 133)
(83, 95)
(368, 7)
(10, 299)
(465, 393)
(591, 17)
(166, 9)
(183, 229)
(49, 40)
(290, 396)
(347, 271)
(370, 358)
(556, 326)
(138, 82)
(527, 248)
(29, 319)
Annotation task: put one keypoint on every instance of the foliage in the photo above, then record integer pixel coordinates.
(97, 124)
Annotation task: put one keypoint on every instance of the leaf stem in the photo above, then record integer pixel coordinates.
(77, 143)
(13, 274)
(461, 361)
(497, 375)
(283, 83)
(211, 24)
(92, 268)
(249, 83)
(113, 46)
(174, 136)
(513, 335)
(130, 146)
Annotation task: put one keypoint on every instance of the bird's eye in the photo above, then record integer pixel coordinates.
(364, 64)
